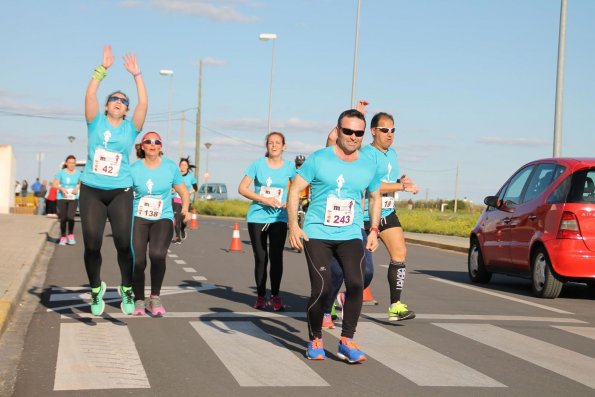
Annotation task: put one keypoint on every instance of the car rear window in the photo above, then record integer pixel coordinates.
(582, 187)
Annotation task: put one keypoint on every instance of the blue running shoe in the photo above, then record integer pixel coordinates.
(350, 352)
(315, 350)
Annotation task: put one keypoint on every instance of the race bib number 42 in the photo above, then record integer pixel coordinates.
(150, 208)
(339, 212)
(106, 162)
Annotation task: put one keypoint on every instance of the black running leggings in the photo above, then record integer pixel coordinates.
(275, 233)
(66, 213)
(178, 219)
(96, 206)
(350, 255)
(157, 235)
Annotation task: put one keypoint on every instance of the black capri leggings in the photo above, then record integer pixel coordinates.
(66, 213)
(157, 235)
(178, 220)
(276, 233)
(350, 255)
(96, 206)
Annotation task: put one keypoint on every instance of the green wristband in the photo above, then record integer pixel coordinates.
(99, 73)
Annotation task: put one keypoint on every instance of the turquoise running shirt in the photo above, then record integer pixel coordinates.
(108, 151)
(271, 182)
(68, 181)
(189, 180)
(388, 167)
(152, 189)
(337, 186)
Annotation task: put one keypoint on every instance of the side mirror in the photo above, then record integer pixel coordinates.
(492, 201)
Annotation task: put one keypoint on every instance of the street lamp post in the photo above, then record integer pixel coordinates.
(208, 146)
(39, 161)
(197, 144)
(170, 73)
(560, 82)
(270, 37)
(354, 78)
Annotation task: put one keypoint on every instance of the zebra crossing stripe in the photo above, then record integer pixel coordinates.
(111, 345)
(416, 362)
(253, 357)
(587, 332)
(573, 365)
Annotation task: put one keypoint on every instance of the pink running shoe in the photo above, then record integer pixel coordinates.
(260, 302)
(71, 240)
(139, 308)
(62, 241)
(155, 306)
(275, 302)
(327, 321)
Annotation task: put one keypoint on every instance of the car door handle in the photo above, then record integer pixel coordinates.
(532, 217)
(506, 221)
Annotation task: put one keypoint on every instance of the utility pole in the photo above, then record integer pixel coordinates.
(456, 189)
(182, 119)
(560, 82)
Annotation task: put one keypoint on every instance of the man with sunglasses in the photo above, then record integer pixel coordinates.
(337, 175)
(106, 191)
(382, 127)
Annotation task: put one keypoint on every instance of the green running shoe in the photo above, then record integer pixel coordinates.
(333, 312)
(398, 311)
(127, 305)
(97, 303)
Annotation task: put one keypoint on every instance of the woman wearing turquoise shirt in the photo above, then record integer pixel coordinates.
(67, 181)
(267, 217)
(153, 177)
(106, 189)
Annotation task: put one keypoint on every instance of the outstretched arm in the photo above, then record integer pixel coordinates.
(140, 112)
(91, 103)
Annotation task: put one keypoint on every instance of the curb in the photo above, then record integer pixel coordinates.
(10, 300)
(436, 244)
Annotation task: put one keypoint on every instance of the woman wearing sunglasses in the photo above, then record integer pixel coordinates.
(153, 177)
(267, 216)
(106, 183)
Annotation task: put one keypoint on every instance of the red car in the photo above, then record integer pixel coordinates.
(540, 225)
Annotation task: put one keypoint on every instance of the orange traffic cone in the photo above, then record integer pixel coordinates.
(194, 221)
(236, 244)
(368, 298)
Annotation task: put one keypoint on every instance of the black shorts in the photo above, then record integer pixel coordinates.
(389, 221)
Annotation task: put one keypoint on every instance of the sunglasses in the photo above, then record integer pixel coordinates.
(385, 129)
(348, 132)
(152, 141)
(118, 99)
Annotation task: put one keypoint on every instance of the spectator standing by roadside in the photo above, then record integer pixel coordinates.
(40, 194)
(17, 188)
(24, 188)
(35, 187)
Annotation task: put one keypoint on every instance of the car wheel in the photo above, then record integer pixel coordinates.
(544, 282)
(475, 265)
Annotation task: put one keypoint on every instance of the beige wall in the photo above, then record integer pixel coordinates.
(8, 172)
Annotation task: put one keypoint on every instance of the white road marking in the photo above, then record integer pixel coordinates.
(189, 269)
(587, 332)
(253, 357)
(568, 363)
(94, 357)
(199, 278)
(479, 317)
(418, 363)
(172, 255)
(180, 261)
(196, 315)
(496, 294)
(164, 291)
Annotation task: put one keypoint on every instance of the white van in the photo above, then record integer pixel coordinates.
(214, 191)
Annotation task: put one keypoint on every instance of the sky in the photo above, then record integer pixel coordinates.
(471, 83)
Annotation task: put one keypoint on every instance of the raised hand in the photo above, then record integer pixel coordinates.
(361, 106)
(108, 57)
(130, 63)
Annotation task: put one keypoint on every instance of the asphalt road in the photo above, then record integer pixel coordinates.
(467, 340)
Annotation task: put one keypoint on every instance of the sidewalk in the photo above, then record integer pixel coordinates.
(23, 238)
